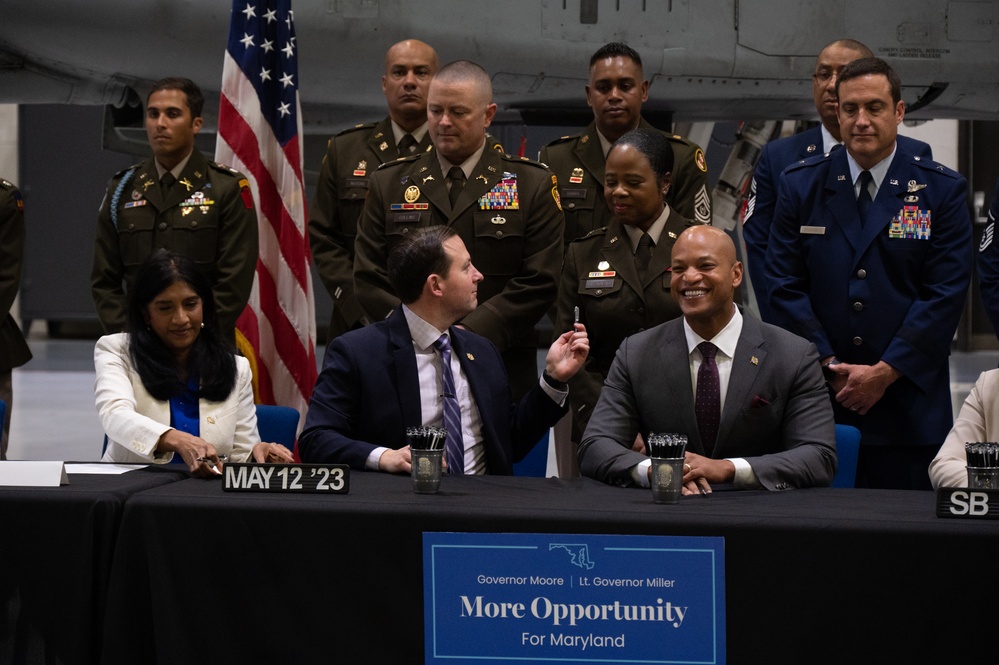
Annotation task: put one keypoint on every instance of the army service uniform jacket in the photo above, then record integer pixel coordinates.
(351, 157)
(578, 163)
(14, 351)
(599, 277)
(890, 289)
(509, 218)
(208, 217)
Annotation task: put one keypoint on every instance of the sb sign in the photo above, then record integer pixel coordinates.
(968, 503)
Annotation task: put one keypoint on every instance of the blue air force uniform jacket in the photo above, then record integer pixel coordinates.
(892, 289)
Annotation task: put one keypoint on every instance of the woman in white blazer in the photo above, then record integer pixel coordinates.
(977, 422)
(172, 384)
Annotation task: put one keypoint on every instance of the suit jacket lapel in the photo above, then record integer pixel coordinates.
(842, 201)
(191, 180)
(485, 175)
(750, 354)
(617, 251)
(885, 206)
(426, 175)
(407, 380)
(674, 361)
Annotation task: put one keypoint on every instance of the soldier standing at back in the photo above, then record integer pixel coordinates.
(179, 200)
(615, 91)
(14, 351)
(352, 155)
(504, 208)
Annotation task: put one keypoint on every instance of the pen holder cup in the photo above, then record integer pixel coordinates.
(667, 479)
(983, 478)
(426, 473)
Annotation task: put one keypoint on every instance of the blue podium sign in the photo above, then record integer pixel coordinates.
(564, 598)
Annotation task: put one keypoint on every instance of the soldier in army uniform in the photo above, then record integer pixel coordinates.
(351, 157)
(504, 208)
(13, 349)
(617, 278)
(178, 200)
(615, 92)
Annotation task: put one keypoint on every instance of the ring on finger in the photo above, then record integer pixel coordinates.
(686, 467)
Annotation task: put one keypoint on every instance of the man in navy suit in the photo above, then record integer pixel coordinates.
(778, 155)
(772, 426)
(379, 380)
(870, 258)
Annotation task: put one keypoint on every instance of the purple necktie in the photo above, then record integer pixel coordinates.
(454, 449)
(707, 405)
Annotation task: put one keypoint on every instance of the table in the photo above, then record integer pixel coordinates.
(813, 576)
(55, 559)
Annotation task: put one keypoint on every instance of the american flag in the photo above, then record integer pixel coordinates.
(259, 128)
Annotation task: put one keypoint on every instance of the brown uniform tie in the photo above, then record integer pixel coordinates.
(407, 145)
(457, 178)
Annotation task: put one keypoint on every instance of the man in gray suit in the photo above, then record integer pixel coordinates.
(749, 396)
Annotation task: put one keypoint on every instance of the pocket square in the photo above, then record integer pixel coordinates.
(759, 401)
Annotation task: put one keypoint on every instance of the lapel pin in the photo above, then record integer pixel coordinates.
(211, 420)
(470, 356)
(754, 360)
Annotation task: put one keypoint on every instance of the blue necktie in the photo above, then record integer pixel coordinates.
(864, 197)
(454, 449)
(707, 403)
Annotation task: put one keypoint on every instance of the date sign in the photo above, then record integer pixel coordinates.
(315, 478)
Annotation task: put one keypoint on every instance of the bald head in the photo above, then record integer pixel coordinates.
(703, 279)
(409, 67)
(831, 60)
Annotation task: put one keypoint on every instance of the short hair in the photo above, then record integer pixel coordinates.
(867, 66)
(613, 50)
(851, 44)
(195, 98)
(460, 71)
(653, 145)
(421, 253)
(212, 354)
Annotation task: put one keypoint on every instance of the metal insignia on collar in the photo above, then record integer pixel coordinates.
(672, 235)
(379, 135)
(584, 139)
(613, 240)
(893, 182)
(383, 146)
(840, 178)
(428, 179)
(484, 179)
(186, 183)
(491, 169)
(810, 148)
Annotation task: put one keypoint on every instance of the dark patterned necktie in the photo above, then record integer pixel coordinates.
(457, 179)
(707, 405)
(643, 254)
(167, 182)
(454, 448)
(864, 197)
(407, 145)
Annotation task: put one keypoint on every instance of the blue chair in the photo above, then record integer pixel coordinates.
(535, 463)
(847, 449)
(278, 424)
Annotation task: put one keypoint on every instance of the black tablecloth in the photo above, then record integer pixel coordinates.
(813, 576)
(55, 558)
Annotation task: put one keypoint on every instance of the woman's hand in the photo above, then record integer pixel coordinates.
(200, 456)
(271, 453)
